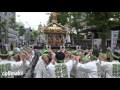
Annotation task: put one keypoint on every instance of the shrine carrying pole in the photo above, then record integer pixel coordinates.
(58, 47)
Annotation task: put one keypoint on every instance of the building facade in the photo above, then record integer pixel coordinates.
(11, 33)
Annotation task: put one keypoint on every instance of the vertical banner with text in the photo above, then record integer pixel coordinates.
(114, 38)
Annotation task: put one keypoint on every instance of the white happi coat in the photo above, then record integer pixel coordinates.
(41, 70)
(37, 65)
(74, 71)
(11, 66)
(23, 67)
(88, 70)
(111, 69)
(51, 68)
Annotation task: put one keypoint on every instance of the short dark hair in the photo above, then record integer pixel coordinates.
(60, 56)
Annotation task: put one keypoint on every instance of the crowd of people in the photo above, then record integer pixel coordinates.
(27, 62)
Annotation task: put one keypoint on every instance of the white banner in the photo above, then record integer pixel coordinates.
(114, 38)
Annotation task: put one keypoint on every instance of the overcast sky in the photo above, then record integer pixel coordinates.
(32, 18)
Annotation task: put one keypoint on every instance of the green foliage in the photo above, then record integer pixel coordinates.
(63, 18)
(12, 22)
(36, 33)
(49, 20)
(3, 26)
(103, 21)
(21, 30)
(76, 19)
(20, 27)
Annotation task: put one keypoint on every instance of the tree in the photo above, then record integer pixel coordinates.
(103, 21)
(36, 33)
(22, 30)
(3, 26)
(76, 19)
(20, 27)
(12, 22)
(62, 18)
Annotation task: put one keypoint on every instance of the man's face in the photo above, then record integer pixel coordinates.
(45, 59)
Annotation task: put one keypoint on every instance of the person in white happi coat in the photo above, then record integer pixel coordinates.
(80, 73)
(58, 68)
(111, 69)
(17, 57)
(70, 56)
(29, 54)
(76, 55)
(41, 66)
(44, 51)
(7, 66)
(87, 68)
(42, 70)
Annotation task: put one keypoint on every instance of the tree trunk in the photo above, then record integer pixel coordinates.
(104, 42)
(92, 40)
(103, 45)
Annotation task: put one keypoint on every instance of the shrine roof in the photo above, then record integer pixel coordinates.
(54, 27)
